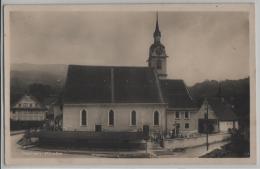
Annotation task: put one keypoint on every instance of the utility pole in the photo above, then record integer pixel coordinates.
(207, 129)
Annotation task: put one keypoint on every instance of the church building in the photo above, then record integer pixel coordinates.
(128, 99)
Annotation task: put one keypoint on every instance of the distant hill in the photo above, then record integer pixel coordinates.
(229, 88)
(51, 74)
(23, 75)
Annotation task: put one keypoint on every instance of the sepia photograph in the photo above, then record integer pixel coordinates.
(144, 84)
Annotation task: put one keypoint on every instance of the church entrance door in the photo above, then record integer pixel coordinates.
(146, 130)
(98, 128)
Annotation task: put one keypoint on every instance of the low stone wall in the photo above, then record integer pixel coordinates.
(85, 139)
(195, 141)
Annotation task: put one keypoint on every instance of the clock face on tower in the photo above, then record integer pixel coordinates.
(158, 51)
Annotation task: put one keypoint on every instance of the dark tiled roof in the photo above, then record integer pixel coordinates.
(222, 109)
(104, 84)
(135, 84)
(87, 84)
(176, 94)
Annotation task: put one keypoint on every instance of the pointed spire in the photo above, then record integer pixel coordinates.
(157, 30)
(157, 25)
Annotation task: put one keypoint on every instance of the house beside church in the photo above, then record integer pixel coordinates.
(181, 110)
(221, 116)
(28, 109)
(27, 113)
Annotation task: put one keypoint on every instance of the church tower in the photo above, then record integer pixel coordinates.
(157, 55)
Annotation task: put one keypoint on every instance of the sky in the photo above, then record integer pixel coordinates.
(200, 45)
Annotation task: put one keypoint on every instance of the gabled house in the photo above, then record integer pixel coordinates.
(221, 116)
(181, 110)
(28, 108)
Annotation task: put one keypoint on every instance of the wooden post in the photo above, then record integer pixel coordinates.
(207, 121)
(146, 147)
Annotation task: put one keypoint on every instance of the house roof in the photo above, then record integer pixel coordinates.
(222, 109)
(107, 84)
(25, 99)
(176, 94)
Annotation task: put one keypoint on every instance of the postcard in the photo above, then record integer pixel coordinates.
(144, 84)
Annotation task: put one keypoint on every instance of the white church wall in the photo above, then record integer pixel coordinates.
(97, 114)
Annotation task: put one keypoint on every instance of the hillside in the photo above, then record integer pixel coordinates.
(24, 75)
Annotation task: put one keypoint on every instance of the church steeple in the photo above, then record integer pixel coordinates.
(157, 33)
(157, 54)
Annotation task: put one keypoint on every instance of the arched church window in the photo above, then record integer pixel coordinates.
(159, 64)
(83, 117)
(156, 118)
(111, 118)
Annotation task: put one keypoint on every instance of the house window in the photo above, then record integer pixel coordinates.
(177, 115)
(178, 125)
(83, 117)
(159, 64)
(187, 125)
(111, 118)
(30, 104)
(20, 105)
(156, 118)
(133, 118)
(187, 115)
